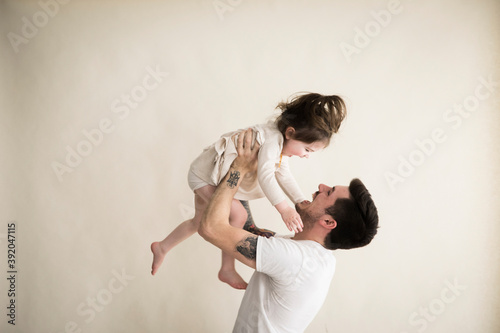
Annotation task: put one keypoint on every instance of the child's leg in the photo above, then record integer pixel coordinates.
(227, 272)
(184, 230)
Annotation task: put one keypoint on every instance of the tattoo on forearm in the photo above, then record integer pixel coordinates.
(250, 225)
(248, 247)
(234, 176)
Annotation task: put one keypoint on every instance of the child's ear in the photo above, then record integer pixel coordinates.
(289, 132)
(328, 222)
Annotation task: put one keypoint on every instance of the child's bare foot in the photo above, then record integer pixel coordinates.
(158, 256)
(233, 279)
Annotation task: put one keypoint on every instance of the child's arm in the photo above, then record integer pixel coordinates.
(288, 183)
(271, 187)
(292, 190)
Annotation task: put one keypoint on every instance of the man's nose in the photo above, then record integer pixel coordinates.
(323, 188)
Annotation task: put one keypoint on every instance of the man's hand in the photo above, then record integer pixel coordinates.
(248, 149)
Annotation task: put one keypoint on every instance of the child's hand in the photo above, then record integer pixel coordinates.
(292, 219)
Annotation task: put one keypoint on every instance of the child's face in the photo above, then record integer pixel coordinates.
(301, 149)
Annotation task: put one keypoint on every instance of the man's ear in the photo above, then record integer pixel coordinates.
(328, 222)
(289, 132)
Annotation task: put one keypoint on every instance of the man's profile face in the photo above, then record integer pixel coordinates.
(323, 198)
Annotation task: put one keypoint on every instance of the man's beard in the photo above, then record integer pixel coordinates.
(307, 219)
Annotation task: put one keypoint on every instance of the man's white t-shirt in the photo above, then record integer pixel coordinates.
(288, 288)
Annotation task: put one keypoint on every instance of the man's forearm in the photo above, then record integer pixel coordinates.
(219, 208)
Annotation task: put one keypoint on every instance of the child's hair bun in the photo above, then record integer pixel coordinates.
(314, 117)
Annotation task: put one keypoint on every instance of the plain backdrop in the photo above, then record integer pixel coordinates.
(104, 104)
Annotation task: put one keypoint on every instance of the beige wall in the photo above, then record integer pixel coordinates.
(83, 233)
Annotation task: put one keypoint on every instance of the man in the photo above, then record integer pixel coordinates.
(292, 275)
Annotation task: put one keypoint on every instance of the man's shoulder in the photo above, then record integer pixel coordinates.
(277, 253)
(276, 245)
(286, 241)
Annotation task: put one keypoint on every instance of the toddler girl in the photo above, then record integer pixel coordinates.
(305, 126)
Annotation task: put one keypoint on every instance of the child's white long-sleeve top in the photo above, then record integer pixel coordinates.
(274, 178)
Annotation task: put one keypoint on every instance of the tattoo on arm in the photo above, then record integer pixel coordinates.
(248, 247)
(234, 176)
(250, 225)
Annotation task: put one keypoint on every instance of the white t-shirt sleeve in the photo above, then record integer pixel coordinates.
(279, 258)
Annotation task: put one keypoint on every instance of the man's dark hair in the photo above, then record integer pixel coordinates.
(357, 219)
